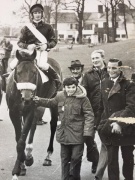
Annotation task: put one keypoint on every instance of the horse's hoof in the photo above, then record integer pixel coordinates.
(23, 172)
(15, 177)
(29, 161)
(47, 162)
(17, 169)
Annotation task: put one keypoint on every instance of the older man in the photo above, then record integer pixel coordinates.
(76, 69)
(118, 96)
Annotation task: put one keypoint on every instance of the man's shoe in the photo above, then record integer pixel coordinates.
(94, 168)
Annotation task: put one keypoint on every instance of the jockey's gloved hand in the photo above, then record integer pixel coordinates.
(31, 47)
(42, 47)
(58, 84)
(45, 67)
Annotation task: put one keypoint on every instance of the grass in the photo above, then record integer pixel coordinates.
(123, 50)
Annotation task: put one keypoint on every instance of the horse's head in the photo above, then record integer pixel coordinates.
(26, 76)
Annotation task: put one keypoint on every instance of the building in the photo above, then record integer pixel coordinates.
(94, 25)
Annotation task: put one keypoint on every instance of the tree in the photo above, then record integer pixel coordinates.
(131, 7)
(122, 9)
(78, 7)
(113, 6)
(105, 4)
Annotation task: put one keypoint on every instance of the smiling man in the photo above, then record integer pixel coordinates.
(76, 69)
(118, 96)
(92, 82)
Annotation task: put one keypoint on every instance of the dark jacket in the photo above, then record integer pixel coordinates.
(92, 83)
(27, 37)
(76, 118)
(8, 48)
(118, 101)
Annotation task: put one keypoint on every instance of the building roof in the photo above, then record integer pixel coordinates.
(90, 17)
(65, 17)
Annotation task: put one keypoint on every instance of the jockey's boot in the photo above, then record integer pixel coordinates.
(52, 75)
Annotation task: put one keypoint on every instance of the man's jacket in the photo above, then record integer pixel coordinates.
(118, 101)
(76, 118)
(92, 82)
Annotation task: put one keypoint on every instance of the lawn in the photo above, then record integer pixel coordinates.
(124, 50)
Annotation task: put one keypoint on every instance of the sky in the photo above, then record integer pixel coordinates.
(7, 6)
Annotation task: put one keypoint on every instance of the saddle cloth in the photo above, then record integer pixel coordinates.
(43, 76)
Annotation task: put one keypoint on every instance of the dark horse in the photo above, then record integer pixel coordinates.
(23, 84)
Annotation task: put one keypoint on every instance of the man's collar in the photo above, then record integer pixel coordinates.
(115, 79)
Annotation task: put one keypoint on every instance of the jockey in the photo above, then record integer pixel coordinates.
(40, 36)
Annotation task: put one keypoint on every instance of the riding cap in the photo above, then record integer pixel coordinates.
(76, 63)
(36, 8)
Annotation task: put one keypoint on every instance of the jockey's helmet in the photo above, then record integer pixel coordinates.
(36, 7)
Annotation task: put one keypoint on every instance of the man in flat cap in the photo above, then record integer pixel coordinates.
(76, 69)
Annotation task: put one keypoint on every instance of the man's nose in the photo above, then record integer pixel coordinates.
(75, 70)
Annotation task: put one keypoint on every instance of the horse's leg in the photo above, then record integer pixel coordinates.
(17, 123)
(29, 146)
(21, 144)
(53, 125)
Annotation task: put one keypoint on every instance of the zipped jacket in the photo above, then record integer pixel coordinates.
(76, 118)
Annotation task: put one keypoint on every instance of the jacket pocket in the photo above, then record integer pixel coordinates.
(76, 110)
(77, 128)
(60, 134)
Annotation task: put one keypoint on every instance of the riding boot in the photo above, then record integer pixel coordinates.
(52, 75)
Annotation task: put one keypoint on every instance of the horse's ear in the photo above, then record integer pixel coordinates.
(34, 54)
(18, 55)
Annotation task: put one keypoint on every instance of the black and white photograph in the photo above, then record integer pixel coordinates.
(67, 90)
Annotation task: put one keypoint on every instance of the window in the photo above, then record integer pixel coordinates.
(118, 35)
(70, 36)
(76, 26)
(61, 36)
(123, 35)
(88, 27)
(104, 25)
(71, 26)
(100, 8)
